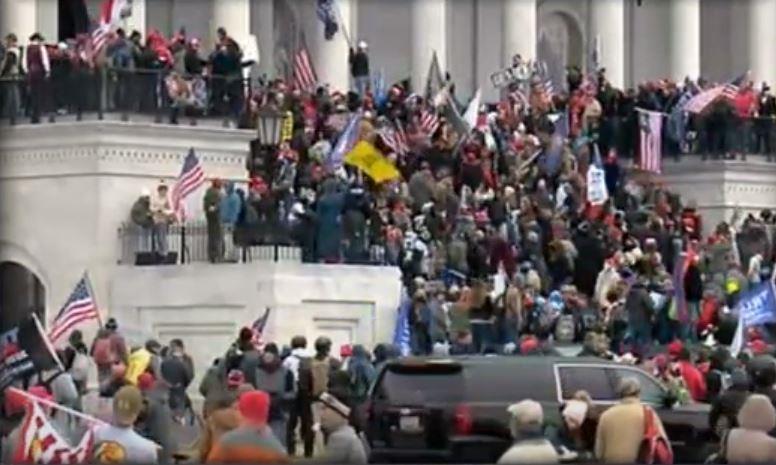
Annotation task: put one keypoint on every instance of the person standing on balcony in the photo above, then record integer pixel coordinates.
(142, 219)
(359, 67)
(10, 66)
(230, 211)
(161, 209)
(765, 116)
(212, 204)
(38, 70)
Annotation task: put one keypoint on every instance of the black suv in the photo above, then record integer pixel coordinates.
(454, 409)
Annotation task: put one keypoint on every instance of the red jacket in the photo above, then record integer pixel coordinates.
(694, 380)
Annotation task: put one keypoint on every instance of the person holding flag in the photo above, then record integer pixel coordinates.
(756, 307)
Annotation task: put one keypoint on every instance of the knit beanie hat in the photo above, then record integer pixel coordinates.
(254, 407)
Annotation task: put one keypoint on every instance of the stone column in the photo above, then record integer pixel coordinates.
(429, 35)
(24, 17)
(234, 16)
(607, 24)
(685, 45)
(262, 26)
(331, 56)
(762, 40)
(519, 35)
(138, 20)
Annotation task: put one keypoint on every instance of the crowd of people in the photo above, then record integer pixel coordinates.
(269, 404)
(501, 252)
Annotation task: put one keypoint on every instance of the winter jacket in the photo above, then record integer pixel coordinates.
(750, 443)
(530, 449)
(141, 213)
(694, 380)
(218, 423)
(278, 382)
(725, 408)
(230, 205)
(344, 446)
(359, 63)
(639, 306)
(620, 432)
(248, 445)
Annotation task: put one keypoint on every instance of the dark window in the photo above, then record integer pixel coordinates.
(590, 379)
(501, 382)
(651, 391)
(417, 387)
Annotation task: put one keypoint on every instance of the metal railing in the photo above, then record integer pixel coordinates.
(194, 243)
(91, 93)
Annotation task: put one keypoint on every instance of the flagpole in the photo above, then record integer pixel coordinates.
(47, 341)
(54, 405)
(88, 281)
(342, 24)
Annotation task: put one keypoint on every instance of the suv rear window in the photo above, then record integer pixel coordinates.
(405, 385)
(594, 380)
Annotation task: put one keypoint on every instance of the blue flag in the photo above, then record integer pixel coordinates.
(756, 307)
(401, 335)
(345, 143)
(379, 90)
(325, 11)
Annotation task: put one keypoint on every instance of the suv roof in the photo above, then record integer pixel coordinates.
(490, 379)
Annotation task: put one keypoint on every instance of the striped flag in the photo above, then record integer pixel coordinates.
(305, 78)
(192, 177)
(395, 139)
(80, 307)
(651, 128)
(729, 90)
(258, 327)
(429, 121)
(111, 12)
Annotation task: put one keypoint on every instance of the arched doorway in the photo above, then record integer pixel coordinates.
(21, 292)
(560, 45)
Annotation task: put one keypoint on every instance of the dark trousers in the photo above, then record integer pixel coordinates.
(215, 240)
(300, 414)
(37, 88)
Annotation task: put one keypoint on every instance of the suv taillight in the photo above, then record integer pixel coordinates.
(463, 420)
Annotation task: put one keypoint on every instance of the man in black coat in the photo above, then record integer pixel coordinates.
(764, 123)
(359, 67)
(724, 409)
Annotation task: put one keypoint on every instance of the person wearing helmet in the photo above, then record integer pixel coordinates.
(359, 67)
(314, 377)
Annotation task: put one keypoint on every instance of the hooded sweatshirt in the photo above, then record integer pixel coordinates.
(277, 381)
(750, 443)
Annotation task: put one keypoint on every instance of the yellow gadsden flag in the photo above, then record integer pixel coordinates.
(369, 160)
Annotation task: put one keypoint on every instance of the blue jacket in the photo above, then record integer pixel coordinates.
(230, 205)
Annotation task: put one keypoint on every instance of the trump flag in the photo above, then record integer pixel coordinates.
(756, 307)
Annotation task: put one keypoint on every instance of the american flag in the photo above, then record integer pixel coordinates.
(80, 307)
(304, 74)
(191, 178)
(258, 327)
(395, 139)
(651, 126)
(429, 121)
(111, 12)
(729, 91)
